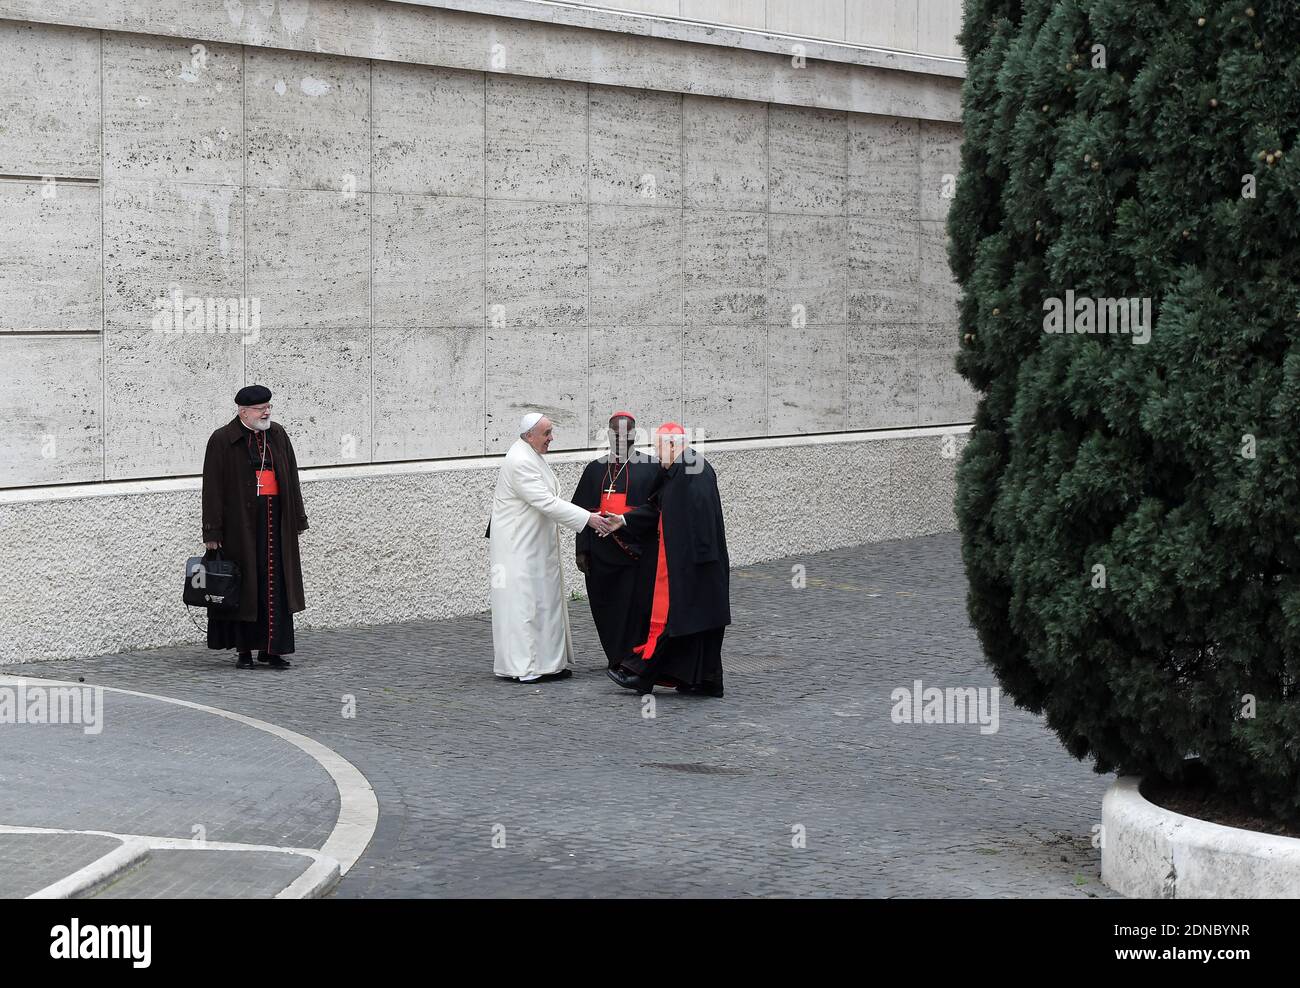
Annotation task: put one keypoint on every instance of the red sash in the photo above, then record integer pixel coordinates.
(659, 607)
(266, 483)
(614, 504)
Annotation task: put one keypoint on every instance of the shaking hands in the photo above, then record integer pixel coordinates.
(604, 522)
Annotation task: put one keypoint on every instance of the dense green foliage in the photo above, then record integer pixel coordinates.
(1172, 464)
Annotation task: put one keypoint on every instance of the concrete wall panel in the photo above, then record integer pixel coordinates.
(541, 369)
(883, 257)
(49, 88)
(725, 154)
(50, 397)
(636, 266)
(165, 240)
(886, 23)
(173, 110)
(883, 378)
(320, 385)
(884, 162)
(428, 261)
(429, 392)
(428, 130)
(164, 393)
(636, 147)
(808, 18)
(806, 379)
(940, 162)
(938, 25)
(725, 268)
(809, 152)
(807, 270)
(308, 120)
(49, 256)
(536, 139)
(536, 264)
(309, 258)
(636, 369)
(939, 291)
(724, 381)
(743, 13)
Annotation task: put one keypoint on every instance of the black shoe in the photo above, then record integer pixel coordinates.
(629, 682)
(562, 674)
(245, 660)
(274, 661)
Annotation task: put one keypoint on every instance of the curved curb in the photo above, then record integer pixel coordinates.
(85, 881)
(1148, 852)
(358, 807)
(314, 883)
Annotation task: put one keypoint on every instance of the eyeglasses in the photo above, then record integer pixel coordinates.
(259, 408)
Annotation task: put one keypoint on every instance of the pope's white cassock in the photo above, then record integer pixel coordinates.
(530, 622)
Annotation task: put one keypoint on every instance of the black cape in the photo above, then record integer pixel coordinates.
(619, 587)
(699, 570)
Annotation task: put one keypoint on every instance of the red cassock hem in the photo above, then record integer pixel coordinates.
(659, 607)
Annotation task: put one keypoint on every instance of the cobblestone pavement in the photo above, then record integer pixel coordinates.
(796, 783)
(30, 862)
(207, 875)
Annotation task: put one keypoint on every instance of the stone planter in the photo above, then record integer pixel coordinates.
(1149, 852)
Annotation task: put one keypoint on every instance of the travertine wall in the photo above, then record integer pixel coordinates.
(430, 251)
(95, 569)
(910, 25)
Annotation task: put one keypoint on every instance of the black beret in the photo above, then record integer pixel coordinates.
(254, 394)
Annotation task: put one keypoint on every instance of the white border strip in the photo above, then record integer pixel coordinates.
(317, 879)
(123, 488)
(358, 808)
(125, 857)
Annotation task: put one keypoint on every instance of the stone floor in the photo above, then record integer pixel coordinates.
(797, 783)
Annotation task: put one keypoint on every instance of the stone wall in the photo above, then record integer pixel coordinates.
(96, 569)
(429, 251)
(424, 219)
(909, 25)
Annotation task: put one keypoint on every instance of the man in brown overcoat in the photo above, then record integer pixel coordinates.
(253, 512)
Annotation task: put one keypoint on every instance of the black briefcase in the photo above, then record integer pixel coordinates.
(212, 581)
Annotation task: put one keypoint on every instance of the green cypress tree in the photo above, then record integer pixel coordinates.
(1130, 512)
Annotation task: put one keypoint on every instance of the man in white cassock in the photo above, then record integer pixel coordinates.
(530, 619)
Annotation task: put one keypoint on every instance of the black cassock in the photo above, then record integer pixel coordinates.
(272, 632)
(691, 602)
(619, 584)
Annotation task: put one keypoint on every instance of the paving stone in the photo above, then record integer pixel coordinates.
(208, 874)
(572, 779)
(31, 862)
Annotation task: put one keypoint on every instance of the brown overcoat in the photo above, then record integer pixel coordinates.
(229, 499)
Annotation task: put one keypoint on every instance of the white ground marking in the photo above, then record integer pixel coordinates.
(135, 849)
(358, 807)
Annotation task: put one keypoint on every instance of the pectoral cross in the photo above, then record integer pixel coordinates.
(610, 488)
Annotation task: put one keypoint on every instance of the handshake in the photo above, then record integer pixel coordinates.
(604, 523)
